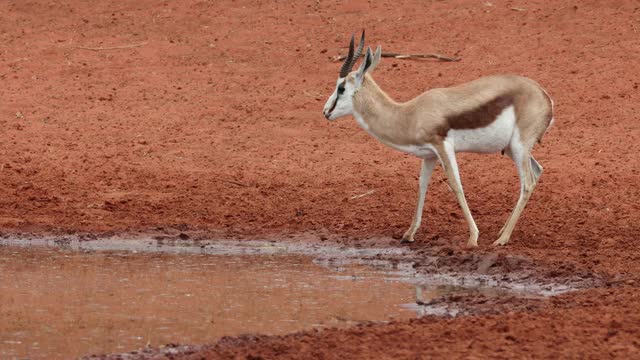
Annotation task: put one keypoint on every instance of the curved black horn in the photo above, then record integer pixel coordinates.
(346, 67)
(358, 51)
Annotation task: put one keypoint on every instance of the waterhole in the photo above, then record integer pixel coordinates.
(64, 299)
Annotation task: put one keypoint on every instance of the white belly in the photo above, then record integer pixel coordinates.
(489, 139)
(422, 151)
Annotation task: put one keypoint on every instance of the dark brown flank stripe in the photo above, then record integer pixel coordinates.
(479, 117)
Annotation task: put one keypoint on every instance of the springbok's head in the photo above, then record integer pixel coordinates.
(340, 103)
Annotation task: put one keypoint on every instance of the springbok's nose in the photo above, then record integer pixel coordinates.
(326, 115)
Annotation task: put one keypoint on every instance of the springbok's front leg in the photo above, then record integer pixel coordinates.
(425, 175)
(447, 157)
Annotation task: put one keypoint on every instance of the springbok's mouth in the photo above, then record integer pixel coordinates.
(328, 113)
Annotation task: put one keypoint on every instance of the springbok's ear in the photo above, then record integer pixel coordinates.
(366, 64)
(376, 59)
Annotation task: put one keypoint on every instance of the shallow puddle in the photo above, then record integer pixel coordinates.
(70, 300)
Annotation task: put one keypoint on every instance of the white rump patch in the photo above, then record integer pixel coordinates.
(492, 138)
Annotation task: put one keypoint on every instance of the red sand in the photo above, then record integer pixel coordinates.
(213, 126)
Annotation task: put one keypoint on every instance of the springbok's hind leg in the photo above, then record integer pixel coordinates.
(536, 168)
(529, 171)
(425, 175)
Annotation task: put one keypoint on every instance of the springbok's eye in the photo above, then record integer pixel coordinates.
(340, 89)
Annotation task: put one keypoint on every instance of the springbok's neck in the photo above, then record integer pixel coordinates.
(377, 113)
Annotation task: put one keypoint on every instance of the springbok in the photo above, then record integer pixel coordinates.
(504, 113)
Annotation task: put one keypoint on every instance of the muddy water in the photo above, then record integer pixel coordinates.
(67, 298)
(57, 303)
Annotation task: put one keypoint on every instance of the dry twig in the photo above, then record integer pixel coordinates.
(406, 56)
(110, 47)
(362, 195)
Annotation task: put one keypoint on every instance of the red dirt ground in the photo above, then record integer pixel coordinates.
(213, 126)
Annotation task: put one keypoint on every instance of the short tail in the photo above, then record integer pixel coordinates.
(550, 117)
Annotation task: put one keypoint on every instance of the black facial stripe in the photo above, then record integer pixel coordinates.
(334, 105)
(340, 92)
